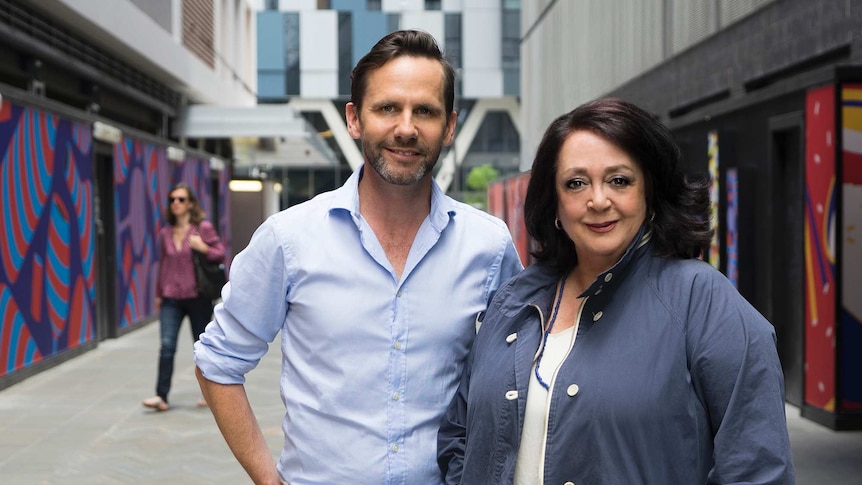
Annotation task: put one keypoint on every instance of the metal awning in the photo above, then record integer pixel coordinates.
(292, 140)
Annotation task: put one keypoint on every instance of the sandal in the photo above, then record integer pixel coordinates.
(156, 403)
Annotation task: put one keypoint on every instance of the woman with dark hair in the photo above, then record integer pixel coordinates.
(177, 295)
(619, 357)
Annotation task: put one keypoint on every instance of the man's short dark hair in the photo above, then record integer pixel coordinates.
(414, 43)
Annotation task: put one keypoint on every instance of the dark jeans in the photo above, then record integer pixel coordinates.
(199, 310)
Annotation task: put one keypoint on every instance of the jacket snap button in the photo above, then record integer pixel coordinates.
(569, 483)
(511, 337)
(608, 277)
(511, 395)
(596, 316)
(572, 390)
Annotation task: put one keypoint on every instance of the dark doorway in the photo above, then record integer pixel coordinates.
(106, 261)
(787, 276)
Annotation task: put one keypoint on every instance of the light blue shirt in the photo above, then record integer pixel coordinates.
(369, 363)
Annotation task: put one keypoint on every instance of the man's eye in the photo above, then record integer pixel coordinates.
(387, 109)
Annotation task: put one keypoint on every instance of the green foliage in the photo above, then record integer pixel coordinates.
(479, 177)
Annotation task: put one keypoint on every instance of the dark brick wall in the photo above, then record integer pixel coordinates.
(787, 39)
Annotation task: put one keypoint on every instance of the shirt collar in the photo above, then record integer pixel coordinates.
(346, 198)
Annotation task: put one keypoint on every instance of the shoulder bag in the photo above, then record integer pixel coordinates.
(210, 275)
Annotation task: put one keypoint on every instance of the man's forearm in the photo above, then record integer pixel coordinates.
(237, 422)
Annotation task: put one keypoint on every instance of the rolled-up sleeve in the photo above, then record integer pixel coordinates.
(252, 312)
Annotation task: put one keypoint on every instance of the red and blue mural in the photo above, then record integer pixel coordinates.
(820, 220)
(47, 258)
(851, 246)
(47, 274)
(824, 353)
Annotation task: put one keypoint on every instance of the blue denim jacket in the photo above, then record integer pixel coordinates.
(673, 379)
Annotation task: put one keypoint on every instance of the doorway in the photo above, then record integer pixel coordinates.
(106, 261)
(787, 272)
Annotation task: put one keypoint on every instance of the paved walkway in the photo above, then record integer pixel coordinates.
(82, 423)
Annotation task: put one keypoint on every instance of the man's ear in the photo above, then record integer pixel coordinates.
(450, 129)
(354, 125)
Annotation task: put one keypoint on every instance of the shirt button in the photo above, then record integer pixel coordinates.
(397, 345)
(572, 390)
(398, 294)
(512, 395)
(608, 277)
(596, 316)
(511, 337)
(396, 396)
(395, 448)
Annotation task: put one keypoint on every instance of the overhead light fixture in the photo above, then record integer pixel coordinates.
(107, 133)
(216, 164)
(245, 185)
(176, 154)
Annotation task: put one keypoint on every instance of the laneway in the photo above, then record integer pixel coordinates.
(82, 423)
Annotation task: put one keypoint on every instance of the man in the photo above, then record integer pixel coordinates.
(375, 288)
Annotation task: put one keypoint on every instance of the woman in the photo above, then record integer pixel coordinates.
(176, 292)
(618, 357)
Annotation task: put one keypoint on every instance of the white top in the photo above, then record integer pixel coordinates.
(529, 465)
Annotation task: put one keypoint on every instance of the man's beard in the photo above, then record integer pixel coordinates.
(378, 163)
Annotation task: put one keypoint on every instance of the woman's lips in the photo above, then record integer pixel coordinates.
(603, 227)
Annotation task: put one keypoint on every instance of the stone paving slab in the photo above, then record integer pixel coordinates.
(82, 423)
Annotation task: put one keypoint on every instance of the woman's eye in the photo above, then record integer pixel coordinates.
(575, 184)
(619, 181)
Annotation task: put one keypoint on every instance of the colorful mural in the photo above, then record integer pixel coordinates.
(820, 214)
(732, 231)
(851, 246)
(47, 271)
(712, 152)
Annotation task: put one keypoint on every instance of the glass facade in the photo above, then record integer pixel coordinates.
(292, 85)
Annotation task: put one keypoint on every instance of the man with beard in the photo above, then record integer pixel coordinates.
(376, 287)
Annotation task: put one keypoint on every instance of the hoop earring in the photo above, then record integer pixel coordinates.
(557, 224)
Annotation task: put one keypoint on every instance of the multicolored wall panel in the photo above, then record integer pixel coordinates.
(732, 229)
(516, 191)
(820, 270)
(851, 247)
(714, 183)
(47, 270)
(506, 201)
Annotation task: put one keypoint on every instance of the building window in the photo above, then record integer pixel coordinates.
(512, 5)
(345, 52)
(373, 5)
(432, 4)
(271, 5)
(291, 54)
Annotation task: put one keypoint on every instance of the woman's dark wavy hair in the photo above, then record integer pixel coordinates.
(414, 43)
(680, 227)
(196, 213)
